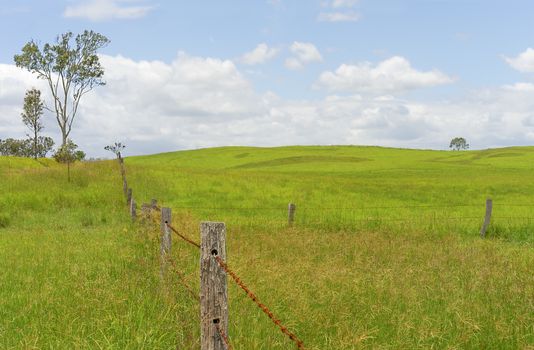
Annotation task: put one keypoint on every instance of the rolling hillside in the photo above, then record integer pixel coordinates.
(385, 251)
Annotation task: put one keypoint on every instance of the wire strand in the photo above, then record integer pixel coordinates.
(263, 307)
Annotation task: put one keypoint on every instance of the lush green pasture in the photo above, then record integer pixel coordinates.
(354, 188)
(74, 273)
(385, 252)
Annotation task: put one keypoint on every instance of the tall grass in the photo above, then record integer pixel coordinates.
(383, 254)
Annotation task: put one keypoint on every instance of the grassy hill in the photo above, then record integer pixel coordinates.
(385, 251)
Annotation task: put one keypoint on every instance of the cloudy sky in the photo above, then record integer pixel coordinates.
(191, 74)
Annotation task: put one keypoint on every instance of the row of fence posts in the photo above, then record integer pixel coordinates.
(292, 208)
(213, 280)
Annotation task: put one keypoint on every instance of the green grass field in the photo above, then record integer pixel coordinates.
(385, 252)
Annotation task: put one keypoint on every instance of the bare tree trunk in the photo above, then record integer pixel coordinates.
(35, 144)
(64, 136)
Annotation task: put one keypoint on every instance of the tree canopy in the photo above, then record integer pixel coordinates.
(32, 112)
(71, 68)
(458, 143)
(116, 148)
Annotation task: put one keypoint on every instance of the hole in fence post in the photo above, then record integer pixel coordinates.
(214, 252)
(216, 320)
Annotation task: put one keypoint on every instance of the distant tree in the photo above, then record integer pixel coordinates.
(67, 154)
(71, 69)
(458, 143)
(116, 148)
(16, 148)
(24, 148)
(32, 112)
(44, 145)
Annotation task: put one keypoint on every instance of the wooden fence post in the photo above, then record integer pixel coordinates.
(291, 214)
(166, 239)
(153, 203)
(129, 196)
(487, 217)
(125, 187)
(213, 286)
(133, 209)
(123, 174)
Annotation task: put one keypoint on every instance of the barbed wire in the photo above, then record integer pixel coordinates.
(230, 208)
(182, 236)
(183, 280)
(263, 307)
(223, 336)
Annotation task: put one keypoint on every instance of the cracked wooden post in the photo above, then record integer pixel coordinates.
(213, 286)
(487, 217)
(166, 239)
(291, 214)
(129, 196)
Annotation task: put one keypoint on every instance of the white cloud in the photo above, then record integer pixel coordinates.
(13, 84)
(390, 76)
(196, 102)
(520, 87)
(304, 53)
(344, 3)
(104, 10)
(338, 17)
(261, 54)
(342, 11)
(524, 62)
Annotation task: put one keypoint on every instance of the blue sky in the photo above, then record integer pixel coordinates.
(409, 73)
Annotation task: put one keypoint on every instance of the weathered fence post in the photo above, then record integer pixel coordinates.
(291, 214)
(213, 286)
(129, 196)
(153, 203)
(166, 239)
(125, 187)
(123, 174)
(133, 209)
(487, 217)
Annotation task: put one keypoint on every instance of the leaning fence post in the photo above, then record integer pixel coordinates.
(213, 286)
(129, 196)
(487, 217)
(291, 214)
(165, 239)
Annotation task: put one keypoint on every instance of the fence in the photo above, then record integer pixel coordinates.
(214, 270)
(213, 295)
